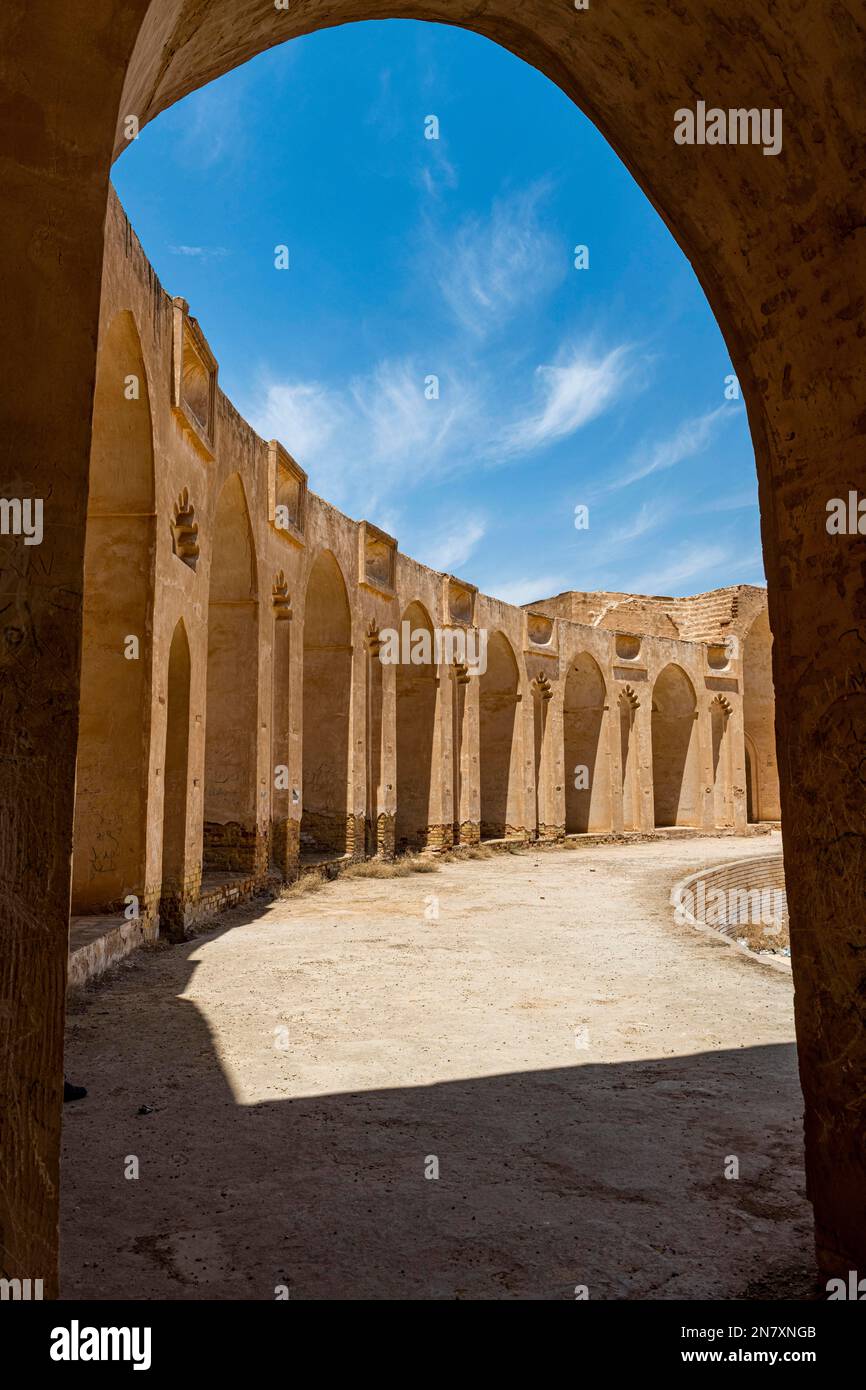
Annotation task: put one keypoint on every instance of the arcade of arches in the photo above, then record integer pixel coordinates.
(186, 557)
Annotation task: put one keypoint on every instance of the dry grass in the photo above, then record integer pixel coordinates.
(307, 883)
(315, 880)
(761, 938)
(403, 867)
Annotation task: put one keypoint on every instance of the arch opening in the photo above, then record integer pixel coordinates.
(676, 773)
(498, 750)
(173, 890)
(584, 730)
(230, 838)
(417, 764)
(110, 821)
(325, 820)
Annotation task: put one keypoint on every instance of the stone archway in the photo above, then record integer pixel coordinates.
(231, 725)
(173, 893)
(777, 246)
(110, 827)
(417, 763)
(498, 741)
(327, 705)
(584, 727)
(676, 767)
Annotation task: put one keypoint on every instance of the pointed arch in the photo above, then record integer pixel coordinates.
(175, 783)
(585, 739)
(417, 692)
(676, 770)
(110, 826)
(327, 708)
(231, 710)
(499, 753)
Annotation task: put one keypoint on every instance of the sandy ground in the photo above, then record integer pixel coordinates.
(580, 1067)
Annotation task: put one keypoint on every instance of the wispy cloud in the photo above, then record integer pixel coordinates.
(528, 588)
(437, 173)
(568, 396)
(649, 516)
(691, 438)
(213, 128)
(494, 265)
(694, 566)
(358, 442)
(735, 502)
(450, 547)
(205, 253)
(305, 416)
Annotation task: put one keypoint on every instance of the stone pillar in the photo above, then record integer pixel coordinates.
(703, 733)
(440, 831)
(642, 734)
(61, 76)
(469, 818)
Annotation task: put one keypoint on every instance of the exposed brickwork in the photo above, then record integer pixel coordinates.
(232, 848)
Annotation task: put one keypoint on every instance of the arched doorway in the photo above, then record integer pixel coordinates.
(417, 764)
(498, 742)
(584, 731)
(759, 718)
(175, 785)
(231, 724)
(109, 834)
(676, 772)
(327, 706)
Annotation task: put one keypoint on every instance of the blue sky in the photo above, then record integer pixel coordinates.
(412, 257)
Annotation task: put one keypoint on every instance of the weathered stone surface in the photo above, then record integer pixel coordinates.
(778, 245)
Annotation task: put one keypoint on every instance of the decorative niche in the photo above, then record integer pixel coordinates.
(719, 655)
(287, 493)
(539, 629)
(627, 646)
(377, 559)
(193, 380)
(461, 601)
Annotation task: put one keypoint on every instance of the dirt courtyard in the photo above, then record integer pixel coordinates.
(579, 1067)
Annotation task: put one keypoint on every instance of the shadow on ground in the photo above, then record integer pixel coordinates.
(610, 1176)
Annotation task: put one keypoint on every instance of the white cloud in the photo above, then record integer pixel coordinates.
(451, 546)
(304, 416)
(205, 252)
(494, 265)
(695, 566)
(437, 173)
(692, 437)
(649, 516)
(735, 502)
(365, 443)
(529, 589)
(569, 396)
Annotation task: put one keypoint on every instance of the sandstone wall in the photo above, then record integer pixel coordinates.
(261, 719)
